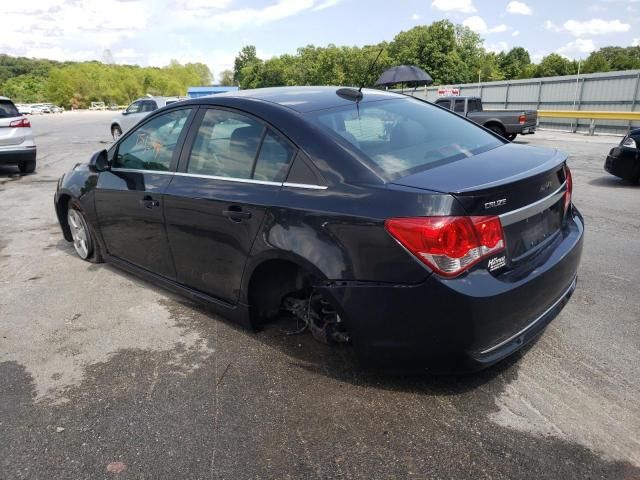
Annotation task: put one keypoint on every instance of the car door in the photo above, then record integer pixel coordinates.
(129, 196)
(232, 167)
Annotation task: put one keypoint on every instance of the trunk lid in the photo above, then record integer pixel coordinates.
(523, 185)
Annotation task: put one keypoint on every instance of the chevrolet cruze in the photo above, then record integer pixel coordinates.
(379, 220)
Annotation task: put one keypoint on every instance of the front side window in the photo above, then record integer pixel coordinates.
(151, 146)
(403, 136)
(135, 107)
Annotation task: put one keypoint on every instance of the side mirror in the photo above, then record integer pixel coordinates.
(124, 112)
(99, 161)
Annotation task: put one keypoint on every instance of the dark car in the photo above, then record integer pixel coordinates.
(376, 219)
(624, 160)
(506, 123)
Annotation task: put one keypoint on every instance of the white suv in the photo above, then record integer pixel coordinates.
(139, 109)
(17, 146)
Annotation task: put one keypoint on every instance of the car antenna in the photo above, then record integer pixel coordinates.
(373, 64)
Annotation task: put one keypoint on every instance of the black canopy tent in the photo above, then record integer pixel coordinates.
(404, 74)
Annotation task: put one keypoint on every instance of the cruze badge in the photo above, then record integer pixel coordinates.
(497, 262)
(495, 203)
(545, 186)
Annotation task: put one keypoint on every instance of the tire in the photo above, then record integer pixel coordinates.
(116, 132)
(27, 166)
(511, 136)
(498, 130)
(84, 240)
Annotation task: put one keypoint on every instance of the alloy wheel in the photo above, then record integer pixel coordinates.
(80, 233)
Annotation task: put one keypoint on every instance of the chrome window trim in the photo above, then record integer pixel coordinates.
(227, 179)
(527, 211)
(304, 185)
(135, 170)
(540, 317)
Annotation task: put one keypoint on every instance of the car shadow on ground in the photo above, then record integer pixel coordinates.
(302, 351)
(615, 182)
(10, 172)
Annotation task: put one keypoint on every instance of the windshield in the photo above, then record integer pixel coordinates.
(403, 136)
(7, 109)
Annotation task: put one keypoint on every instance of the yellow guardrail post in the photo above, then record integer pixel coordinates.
(591, 115)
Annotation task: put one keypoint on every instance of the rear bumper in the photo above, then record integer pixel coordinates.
(521, 129)
(463, 324)
(13, 157)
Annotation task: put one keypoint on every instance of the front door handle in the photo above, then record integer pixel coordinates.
(149, 202)
(236, 214)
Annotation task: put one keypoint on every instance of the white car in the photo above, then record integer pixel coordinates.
(135, 112)
(37, 109)
(24, 109)
(17, 145)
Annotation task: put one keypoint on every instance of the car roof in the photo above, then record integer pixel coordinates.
(4, 98)
(304, 99)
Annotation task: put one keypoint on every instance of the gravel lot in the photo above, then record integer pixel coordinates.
(103, 373)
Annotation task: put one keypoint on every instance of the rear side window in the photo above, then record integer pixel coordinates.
(8, 109)
(273, 159)
(151, 146)
(458, 106)
(148, 106)
(403, 136)
(232, 145)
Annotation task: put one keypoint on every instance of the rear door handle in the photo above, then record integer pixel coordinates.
(149, 202)
(236, 214)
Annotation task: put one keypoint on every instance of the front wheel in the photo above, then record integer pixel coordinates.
(116, 132)
(83, 239)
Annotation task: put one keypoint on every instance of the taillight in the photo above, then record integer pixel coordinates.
(23, 122)
(569, 192)
(448, 245)
(522, 118)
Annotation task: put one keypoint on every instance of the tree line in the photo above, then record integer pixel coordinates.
(77, 84)
(450, 53)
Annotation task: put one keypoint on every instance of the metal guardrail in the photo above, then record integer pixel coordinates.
(590, 115)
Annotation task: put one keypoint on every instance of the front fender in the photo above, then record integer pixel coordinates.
(78, 184)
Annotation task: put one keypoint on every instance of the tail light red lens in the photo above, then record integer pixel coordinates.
(23, 122)
(569, 192)
(522, 119)
(448, 245)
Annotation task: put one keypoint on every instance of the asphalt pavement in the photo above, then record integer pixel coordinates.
(103, 375)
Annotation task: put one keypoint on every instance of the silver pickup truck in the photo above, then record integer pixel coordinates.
(506, 123)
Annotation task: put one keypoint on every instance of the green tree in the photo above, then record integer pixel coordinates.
(514, 62)
(553, 65)
(226, 78)
(246, 57)
(596, 62)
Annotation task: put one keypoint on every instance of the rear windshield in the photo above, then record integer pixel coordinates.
(8, 109)
(403, 136)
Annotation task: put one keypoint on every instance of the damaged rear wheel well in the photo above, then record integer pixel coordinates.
(269, 283)
(283, 287)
